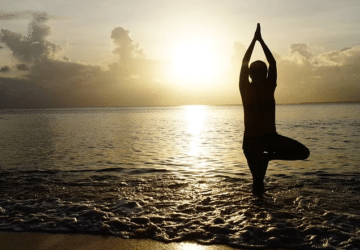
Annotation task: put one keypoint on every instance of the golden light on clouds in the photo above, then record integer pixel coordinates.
(189, 54)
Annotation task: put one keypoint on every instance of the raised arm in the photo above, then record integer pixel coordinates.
(269, 57)
(244, 72)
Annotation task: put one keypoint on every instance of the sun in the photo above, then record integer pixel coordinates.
(194, 61)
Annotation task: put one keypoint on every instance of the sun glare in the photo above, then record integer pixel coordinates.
(194, 61)
(196, 117)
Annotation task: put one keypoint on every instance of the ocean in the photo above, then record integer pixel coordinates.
(179, 173)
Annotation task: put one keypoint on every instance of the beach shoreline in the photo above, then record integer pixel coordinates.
(45, 241)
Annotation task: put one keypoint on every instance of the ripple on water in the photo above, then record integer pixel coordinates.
(301, 213)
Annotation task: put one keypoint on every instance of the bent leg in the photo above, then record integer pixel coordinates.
(284, 148)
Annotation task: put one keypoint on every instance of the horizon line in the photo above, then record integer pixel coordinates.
(175, 105)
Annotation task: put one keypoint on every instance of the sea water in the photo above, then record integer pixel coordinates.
(179, 173)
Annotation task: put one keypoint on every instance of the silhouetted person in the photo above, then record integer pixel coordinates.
(261, 143)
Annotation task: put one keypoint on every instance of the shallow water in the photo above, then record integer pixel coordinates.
(178, 173)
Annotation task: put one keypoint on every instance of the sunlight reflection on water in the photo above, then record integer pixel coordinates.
(194, 246)
(178, 173)
(196, 118)
(195, 139)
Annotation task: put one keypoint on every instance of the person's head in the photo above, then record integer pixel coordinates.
(258, 71)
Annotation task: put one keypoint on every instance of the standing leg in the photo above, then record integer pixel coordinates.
(257, 163)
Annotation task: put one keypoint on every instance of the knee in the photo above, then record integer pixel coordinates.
(305, 153)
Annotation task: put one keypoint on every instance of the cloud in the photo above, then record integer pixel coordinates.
(125, 46)
(300, 53)
(134, 80)
(5, 15)
(22, 67)
(327, 77)
(63, 74)
(8, 16)
(130, 58)
(308, 74)
(302, 49)
(5, 69)
(34, 46)
(52, 82)
(38, 30)
(19, 93)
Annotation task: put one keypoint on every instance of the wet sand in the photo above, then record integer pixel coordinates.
(41, 241)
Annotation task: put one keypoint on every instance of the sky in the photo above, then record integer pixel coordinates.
(137, 53)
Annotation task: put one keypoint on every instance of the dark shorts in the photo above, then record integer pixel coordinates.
(261, 143)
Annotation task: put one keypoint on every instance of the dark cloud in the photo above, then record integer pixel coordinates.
(131, 62)
(60, 83)
(19, 93)
(22, 67)
(38, 30)
(63, 74)
(346, 48)
(1, 47)
(22, 93)
(23, 15)
(9, 15)
(5, 69)
(125, 46)
(34, 46)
